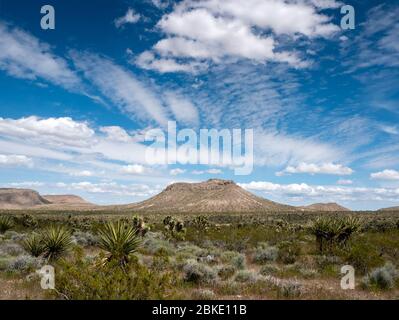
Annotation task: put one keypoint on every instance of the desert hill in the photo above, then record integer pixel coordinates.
(324, 207)
(65, 199)
(20, 198)
(213, 195)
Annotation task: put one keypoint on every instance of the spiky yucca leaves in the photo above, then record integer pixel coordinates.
(56, 241)
(6, 223)
(120, 240)
(331, 231)
(34, 245)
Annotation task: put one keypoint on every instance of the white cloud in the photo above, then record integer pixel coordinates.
(50, 131)
(182, 108)
(177, 171)
(24, 56)
(311, 168)
(121, 87)
(213, 30)
(344, 182)
(134, 169)
(15, 160)
(147, 60)
(323, 193)
(385, 175)
(209, 171)
(129, 17)
(134, 190)
(116, 133)
(83, 173)
(279, 149)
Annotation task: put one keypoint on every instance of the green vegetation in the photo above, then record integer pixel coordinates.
(270, 256)
(6, 223)
(119, 240)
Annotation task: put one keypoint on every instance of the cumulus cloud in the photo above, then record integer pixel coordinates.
(329, 193)
(15, 160)
(311, 168)
(129, 18)
(385, 175)
(83, 173)
(24, 56)
(134, 190)
(51, 131)
(212, 30)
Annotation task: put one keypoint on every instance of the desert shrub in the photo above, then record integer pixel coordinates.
(119, 240)
(203, 294)
(289, 289)
(383, 278)
(6, 223)
(56, 241)
(80, 279)
(11, 249)
(23, 263)
(14, 236)
(198, 272)
(34, 245)
(226, 271)
(364, 256)
(85, 238)
(234, 258)
(153, 242)
(268, 269)
(246, 276)
(191, 251)
(264, 254)
(161, 260)
(288, 251)
(229, 287)
(174, 228)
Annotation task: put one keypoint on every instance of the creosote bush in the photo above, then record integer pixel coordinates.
(81, 279)
(198, 272)
(383, 278)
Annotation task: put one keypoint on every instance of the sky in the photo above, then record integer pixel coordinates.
(77, 101)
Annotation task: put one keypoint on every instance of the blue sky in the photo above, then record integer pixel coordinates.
(75, 102)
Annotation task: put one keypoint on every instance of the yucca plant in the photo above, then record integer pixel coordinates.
(6, 223)
(120, 240)
(140, 226)
(34, 245)
(332, 231)
(56, 241)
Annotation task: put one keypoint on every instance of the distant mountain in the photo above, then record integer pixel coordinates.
(324, 207)
(20, 198)
(65, 199)
(219, 196)
(389, 209)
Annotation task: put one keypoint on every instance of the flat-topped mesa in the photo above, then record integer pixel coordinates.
(20, 198)
(211, 184)
(214, 195)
